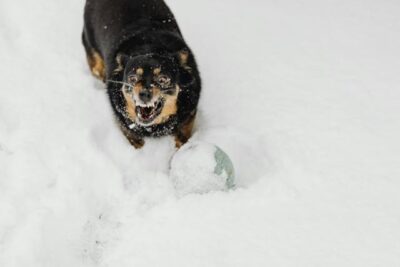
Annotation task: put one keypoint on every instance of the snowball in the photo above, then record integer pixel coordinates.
(200, 167)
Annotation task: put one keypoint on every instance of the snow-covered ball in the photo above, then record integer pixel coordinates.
(200, 167)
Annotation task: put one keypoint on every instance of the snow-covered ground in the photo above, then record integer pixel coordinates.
(303, 95)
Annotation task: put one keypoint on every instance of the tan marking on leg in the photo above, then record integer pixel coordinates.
(178, 143)
(96, 64)
(135, 141)
(184, 132)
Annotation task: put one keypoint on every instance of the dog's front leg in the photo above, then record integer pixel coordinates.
(184, 131)
(135, 140)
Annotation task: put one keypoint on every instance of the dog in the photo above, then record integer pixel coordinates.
(137, 49)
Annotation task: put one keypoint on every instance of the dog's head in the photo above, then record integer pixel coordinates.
(152, 84)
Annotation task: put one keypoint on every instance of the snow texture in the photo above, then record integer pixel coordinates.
(303, 95)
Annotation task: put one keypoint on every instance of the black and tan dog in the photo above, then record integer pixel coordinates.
(137, 49)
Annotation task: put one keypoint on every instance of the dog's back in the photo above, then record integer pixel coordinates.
(107, 22)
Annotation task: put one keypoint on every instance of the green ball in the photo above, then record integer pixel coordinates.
(223, 166)
(201, 167)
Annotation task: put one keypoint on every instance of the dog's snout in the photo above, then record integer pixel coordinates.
(145, 95)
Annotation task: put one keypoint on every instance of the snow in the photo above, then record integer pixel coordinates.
(302, 95)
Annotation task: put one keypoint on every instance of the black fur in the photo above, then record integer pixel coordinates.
(129, 28)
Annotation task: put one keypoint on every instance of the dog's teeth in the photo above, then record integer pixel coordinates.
(144, 105)
(152, 104)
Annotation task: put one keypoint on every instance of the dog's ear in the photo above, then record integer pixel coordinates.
(183, 57)
(186, 77)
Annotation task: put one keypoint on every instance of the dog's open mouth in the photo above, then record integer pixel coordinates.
(146, 113)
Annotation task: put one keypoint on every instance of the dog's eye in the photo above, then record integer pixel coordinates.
(133, 79)
(163, 80)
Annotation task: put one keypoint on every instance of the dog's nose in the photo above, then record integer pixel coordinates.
(145, 96)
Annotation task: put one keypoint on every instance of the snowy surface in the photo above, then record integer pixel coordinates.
(303, 95)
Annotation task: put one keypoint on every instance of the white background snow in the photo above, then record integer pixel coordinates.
(303, 95)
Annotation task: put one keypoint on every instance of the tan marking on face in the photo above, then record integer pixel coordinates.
(157, 71)
(97, 66)
(139, 71)
(156, 92)
(137, 88)
(130, 105)
(170, 107)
